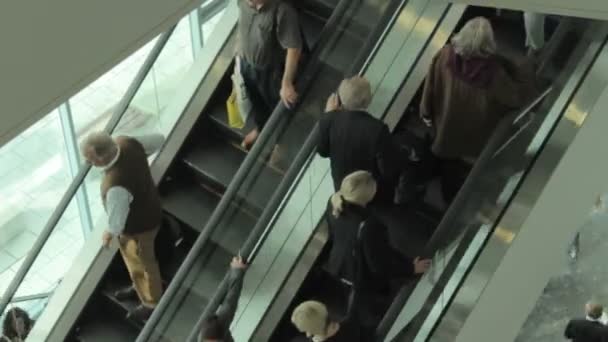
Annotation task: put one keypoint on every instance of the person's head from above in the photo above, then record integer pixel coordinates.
(354, 93)
(475, 39)
(257, 3)
(17, 323)
(99, 149)
(357, 188)
(594, 310)
(313, 319)
(212, 330)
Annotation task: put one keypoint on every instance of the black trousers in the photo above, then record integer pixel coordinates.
(263, 86)
(453, 173)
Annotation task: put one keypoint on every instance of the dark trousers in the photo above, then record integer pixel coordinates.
(263, 87)
(453, 173)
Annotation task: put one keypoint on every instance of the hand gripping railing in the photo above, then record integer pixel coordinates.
(79, 178)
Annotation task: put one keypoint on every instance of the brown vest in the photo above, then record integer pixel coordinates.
(132, 172)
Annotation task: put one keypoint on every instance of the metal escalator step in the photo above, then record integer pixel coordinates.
(209, 269)
(218, 161)
(193, 205)
(218, 116)
(107, 329)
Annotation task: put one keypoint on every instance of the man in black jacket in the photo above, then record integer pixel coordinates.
(590, 329)
(217, 327)
(355, 140)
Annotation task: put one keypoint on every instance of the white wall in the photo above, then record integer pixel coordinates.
(52, 49)
(597, 9)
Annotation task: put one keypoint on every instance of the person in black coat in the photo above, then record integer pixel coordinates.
(355, 140)
(315, 320)
(589, 329)
(352, 227)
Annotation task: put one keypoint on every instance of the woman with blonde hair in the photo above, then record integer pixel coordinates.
(468, 89)
(361, 252)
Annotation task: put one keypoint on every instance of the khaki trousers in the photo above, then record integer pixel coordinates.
(137, 251)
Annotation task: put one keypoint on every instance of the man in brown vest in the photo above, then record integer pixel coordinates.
(133, 206)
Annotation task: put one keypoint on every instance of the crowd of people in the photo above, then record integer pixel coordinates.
(468, 89)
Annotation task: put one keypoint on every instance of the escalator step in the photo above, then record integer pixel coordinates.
(193, 205)
(218, 161)
(218, 116)
(209, 271)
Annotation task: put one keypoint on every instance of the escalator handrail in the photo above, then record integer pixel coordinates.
(445, 227)
(78, 180)
(278, 117)
(263, 225)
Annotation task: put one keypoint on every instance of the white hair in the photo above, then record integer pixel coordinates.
(100, 144)
(475, 39)
(355, 93)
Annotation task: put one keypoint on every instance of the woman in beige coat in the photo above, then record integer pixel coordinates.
(468, 89)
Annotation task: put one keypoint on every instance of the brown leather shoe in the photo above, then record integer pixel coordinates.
(140, 313)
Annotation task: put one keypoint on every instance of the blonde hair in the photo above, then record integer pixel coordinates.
(475, 39)
(100, 144)
(311, 317)
(358, 188)
(355, 93)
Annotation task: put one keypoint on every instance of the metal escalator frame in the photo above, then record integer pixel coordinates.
(276, 121)
(320, 232)
(78, 180)
(302, 160)
(415, 325)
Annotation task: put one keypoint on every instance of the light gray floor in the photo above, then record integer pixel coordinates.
(566, 294)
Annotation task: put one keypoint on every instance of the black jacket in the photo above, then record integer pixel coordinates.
(582, 330)
(378, 263)
(354, 140)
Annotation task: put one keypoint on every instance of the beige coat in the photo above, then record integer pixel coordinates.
(465, 100)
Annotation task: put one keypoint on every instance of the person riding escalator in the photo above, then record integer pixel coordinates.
(362, 257)
(468, 89)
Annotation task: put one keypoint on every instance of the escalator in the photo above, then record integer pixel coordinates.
(513, 146)
(506, 170)
(210, 158)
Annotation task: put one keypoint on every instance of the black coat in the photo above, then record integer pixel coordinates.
(355, 140)
(378, 261)
(582, 330)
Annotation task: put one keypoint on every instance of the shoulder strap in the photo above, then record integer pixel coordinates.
(354, 291)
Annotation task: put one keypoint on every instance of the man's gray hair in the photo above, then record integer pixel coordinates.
(355, 93)
(475, 39)
(100, 143)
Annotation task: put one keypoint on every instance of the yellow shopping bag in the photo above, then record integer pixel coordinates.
(235, 120)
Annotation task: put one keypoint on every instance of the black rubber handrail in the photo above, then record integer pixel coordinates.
(445, 231)
(263, 225)
(78, 180)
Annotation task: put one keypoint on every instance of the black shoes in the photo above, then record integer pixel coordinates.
(125, 294)
(140, 313)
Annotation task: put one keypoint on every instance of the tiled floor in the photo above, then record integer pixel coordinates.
(34, 171)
